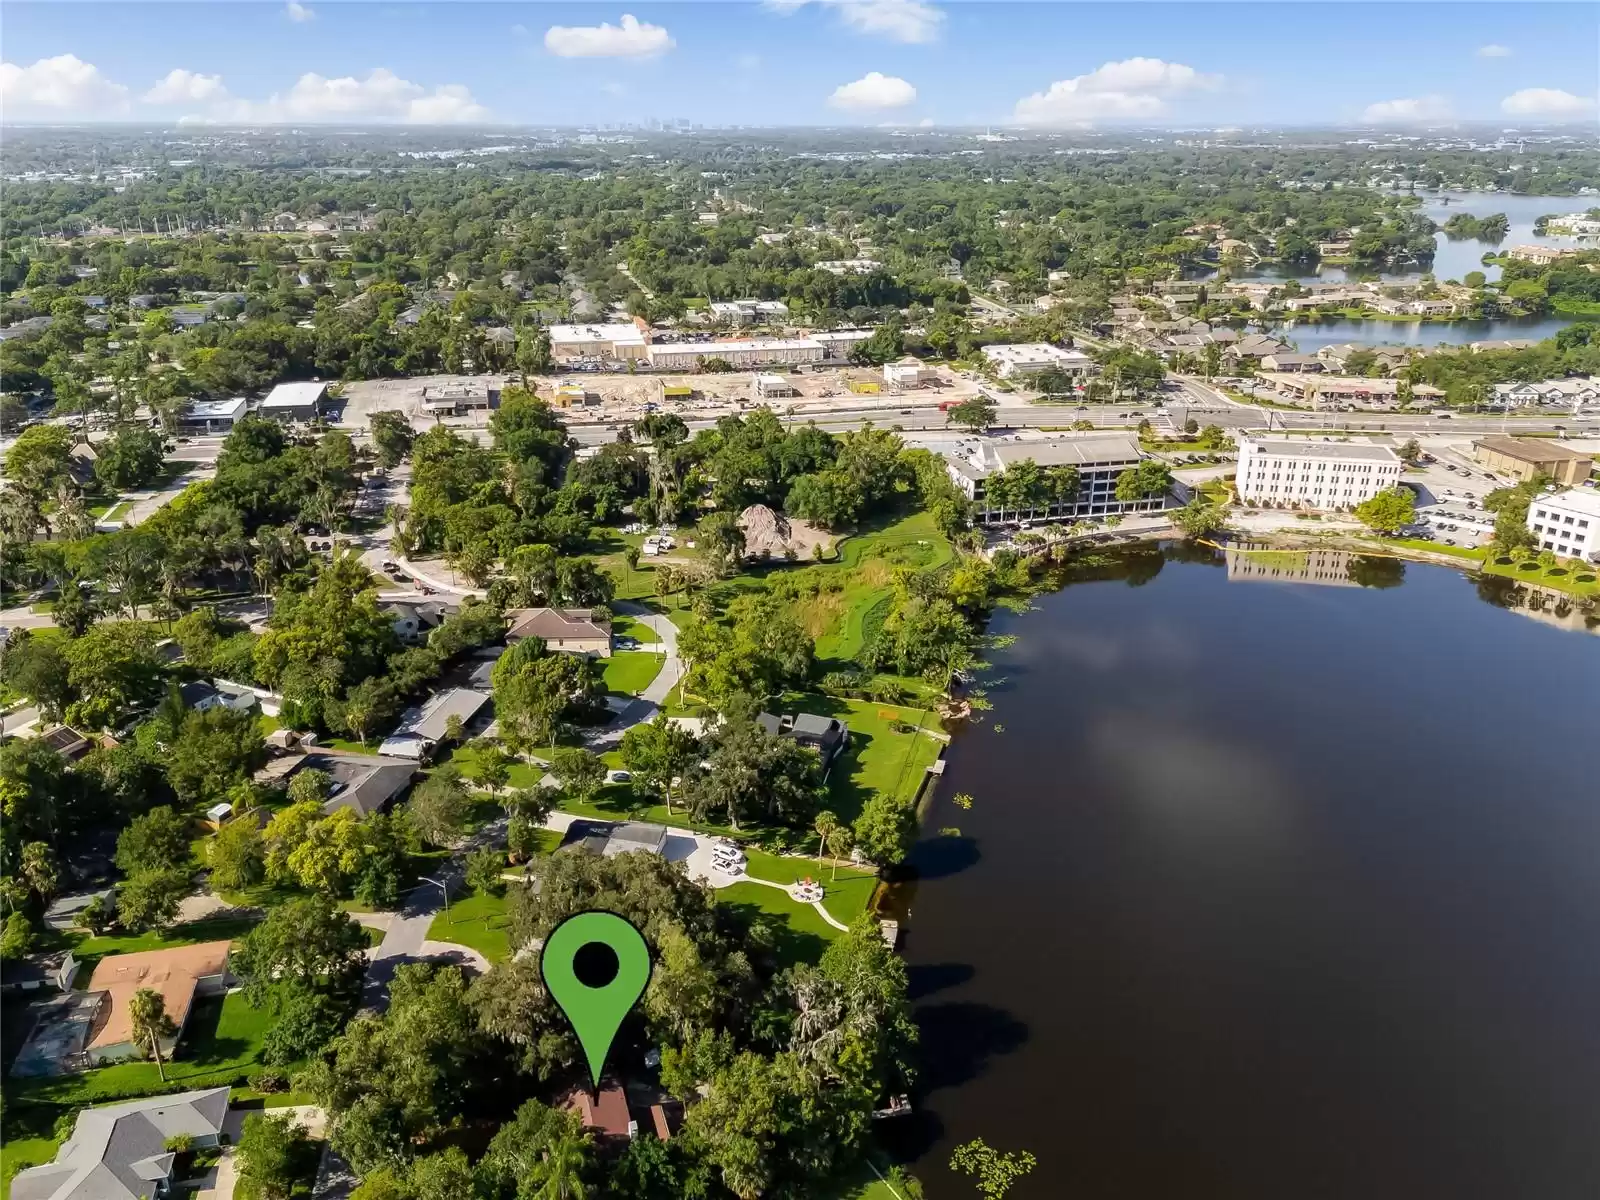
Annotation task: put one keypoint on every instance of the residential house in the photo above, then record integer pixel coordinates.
(748, 312)
(119, 1151)
(1576, 393)
(826, 735)
(1288, 361)
(67, 742)
(568, 630)
(363, 783)
(1253, 347)
(1542, 255)
(415, 620)
(424, 728)
(80, 463)
(178, 973)
(608, 839)
(201, 694)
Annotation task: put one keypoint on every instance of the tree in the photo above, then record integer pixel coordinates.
(112, 668)
(131, 458)
(755, 775)
(150, 1024)
(16, 938)
(657, 754)
(976, 413)
(484, 868)
(996, 1172)
(1389, 511)
(273, 1154)
(1410, 451)
(213, 752)
(155, 841)
(37, 668)
(306, 942)
(392, 437)
(1151, 478)
(581, 772)
(722, 540)
(438, 806)
(1200, 518)
(883, 829)
(150, 898)
(309, 785)
(824, 825)
(238, 856)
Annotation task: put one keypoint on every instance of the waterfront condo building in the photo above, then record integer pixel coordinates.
(1099, 459)
(1568, 523)
(1314, 474)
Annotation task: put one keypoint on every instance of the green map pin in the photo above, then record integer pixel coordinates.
(595, 965)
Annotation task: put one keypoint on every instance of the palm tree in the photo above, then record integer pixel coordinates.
(825, 826)
(839, 843)
(147, 1013)
(559, 1174)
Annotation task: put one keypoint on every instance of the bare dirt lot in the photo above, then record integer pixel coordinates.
(623, 397)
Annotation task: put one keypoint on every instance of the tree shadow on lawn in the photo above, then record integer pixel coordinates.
(788, 944)
(203, 1046)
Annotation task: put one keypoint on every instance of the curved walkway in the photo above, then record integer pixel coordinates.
(784, 888)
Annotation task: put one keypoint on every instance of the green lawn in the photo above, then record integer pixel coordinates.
(1473, 552)
(477, 921)
(799, 933)
(1583, 582)
(631, 671)
(634, 628)
(880, 759)
(846, 892)
(221, 1042)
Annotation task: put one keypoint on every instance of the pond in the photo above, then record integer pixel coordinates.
(1279, 879)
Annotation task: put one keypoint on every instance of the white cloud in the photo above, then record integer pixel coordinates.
(519, 30)
(382, 96)
(1407, 109)
(631, 38)
(64, 84)
(873, 90)
(1135, 89)
(1546, 102)
(299, 13)
(1493, 50)
(186, 87)
(912, 21)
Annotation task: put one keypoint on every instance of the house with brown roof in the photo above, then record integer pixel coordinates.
(178, 973)
(568, 630)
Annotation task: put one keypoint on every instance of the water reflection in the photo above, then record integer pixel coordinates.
(1542, 604)
(1255, 562)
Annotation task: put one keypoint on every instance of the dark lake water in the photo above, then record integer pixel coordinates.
(1271, 890)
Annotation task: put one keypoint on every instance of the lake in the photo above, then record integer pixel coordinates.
(1269, 889)
(1452, 259)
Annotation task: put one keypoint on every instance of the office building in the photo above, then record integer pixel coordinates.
(1306, 474)
(1029, 358)
(1526, 457)
(1568, 523)
(295, 401)
(748, 312)
(622, 341)
(1098, 458)
(749, 352)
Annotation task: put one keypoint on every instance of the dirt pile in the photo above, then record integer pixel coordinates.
(772, 535)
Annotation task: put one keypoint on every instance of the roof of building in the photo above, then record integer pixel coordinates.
(737, 346)
(608, 1116)
(295, 395)
(811, 725)
(65, 741)
(556, 623)
(428, 721)
(196, 691)
(173, 972)
(636, 835)
(1579, 500)
(215, 410)
(364, 783)
(1079, 450)
(1532, 450)
(1033, 352)
(1365, 451)
(597, 333)
(118, 1151)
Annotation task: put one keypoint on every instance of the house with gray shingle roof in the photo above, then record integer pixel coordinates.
(119, 1151)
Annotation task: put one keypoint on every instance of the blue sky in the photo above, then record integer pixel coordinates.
(801, 62)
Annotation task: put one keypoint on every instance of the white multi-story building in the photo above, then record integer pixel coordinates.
(1568, 523)
(1577, 393)
(1030, 358)
(1099, 459)
(750, 352)
(1314, 474)
(839, 342)
(746, 312)
(624, 341)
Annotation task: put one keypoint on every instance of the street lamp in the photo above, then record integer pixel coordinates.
(443, 887)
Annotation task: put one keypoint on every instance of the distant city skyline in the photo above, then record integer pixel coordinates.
(904, 63)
